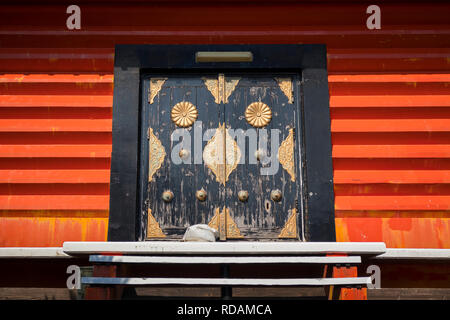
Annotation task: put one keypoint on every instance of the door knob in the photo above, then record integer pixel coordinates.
(183, 154)
(276, 195)
(201, 195)
(167, 196)
(259, 154)
(243, 195)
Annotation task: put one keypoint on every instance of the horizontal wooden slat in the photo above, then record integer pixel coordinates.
(54, 176)
(398, 189)
(55, 164)
(390, 125)
(381, 88)
(391, 151)
(389, 138)
(65, 60)
(50, 231)
(56, 113)
(55, 138)
(340, 60)
(391, 176)
(390, 101)
(382, 113)
(56, 84)
(55, 101)
(57, 88)
(337, 37)
(54, 189)
(57, 151)
(55, 78)
(218, 260)
(389, 78)
(396, 231)
(389, 60)
(54, 202)
(394, 202)
(54, 214)
(53, 125)
(230, 14)
(391, 164)
(228, 281)
(401, 215)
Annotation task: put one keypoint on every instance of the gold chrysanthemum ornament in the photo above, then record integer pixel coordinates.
(258, 114)
(184, 114)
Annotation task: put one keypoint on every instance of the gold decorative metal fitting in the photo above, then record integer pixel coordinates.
(153, 228)
(258, 114)
(222, 154)
(184, 114)
(221, 88)
(201, 195)
(156, 154)
(286, 154)
(290, 228)
(287, 87)
(276, 195)
(226, 226)
(167, 196)
(243, 195)
(155, 86)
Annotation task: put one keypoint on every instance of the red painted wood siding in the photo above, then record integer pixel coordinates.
(389, 100)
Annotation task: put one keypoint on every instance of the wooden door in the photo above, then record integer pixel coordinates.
(268, 176)
(222, 151)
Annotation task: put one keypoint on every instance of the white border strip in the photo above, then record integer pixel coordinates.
(216, 260)
(225, 281)
(36, 253)
(412, 254)
(72, 248)
(248, 248)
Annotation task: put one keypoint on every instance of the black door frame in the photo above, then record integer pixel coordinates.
(132, 61)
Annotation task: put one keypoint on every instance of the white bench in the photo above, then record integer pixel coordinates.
(225, 254)
(351, 260)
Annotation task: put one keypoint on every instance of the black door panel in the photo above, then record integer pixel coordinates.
(194, 155)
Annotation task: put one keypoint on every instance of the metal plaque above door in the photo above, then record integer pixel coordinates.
(221, 150)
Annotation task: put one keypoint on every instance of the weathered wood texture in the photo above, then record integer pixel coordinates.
(409, 294)
(389, 110)
(36, 294)
(259, 217)
(301, 293)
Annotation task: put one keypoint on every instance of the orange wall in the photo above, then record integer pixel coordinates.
(389, 100)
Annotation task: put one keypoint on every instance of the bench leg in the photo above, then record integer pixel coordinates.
(226, 291)
(343, 293)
